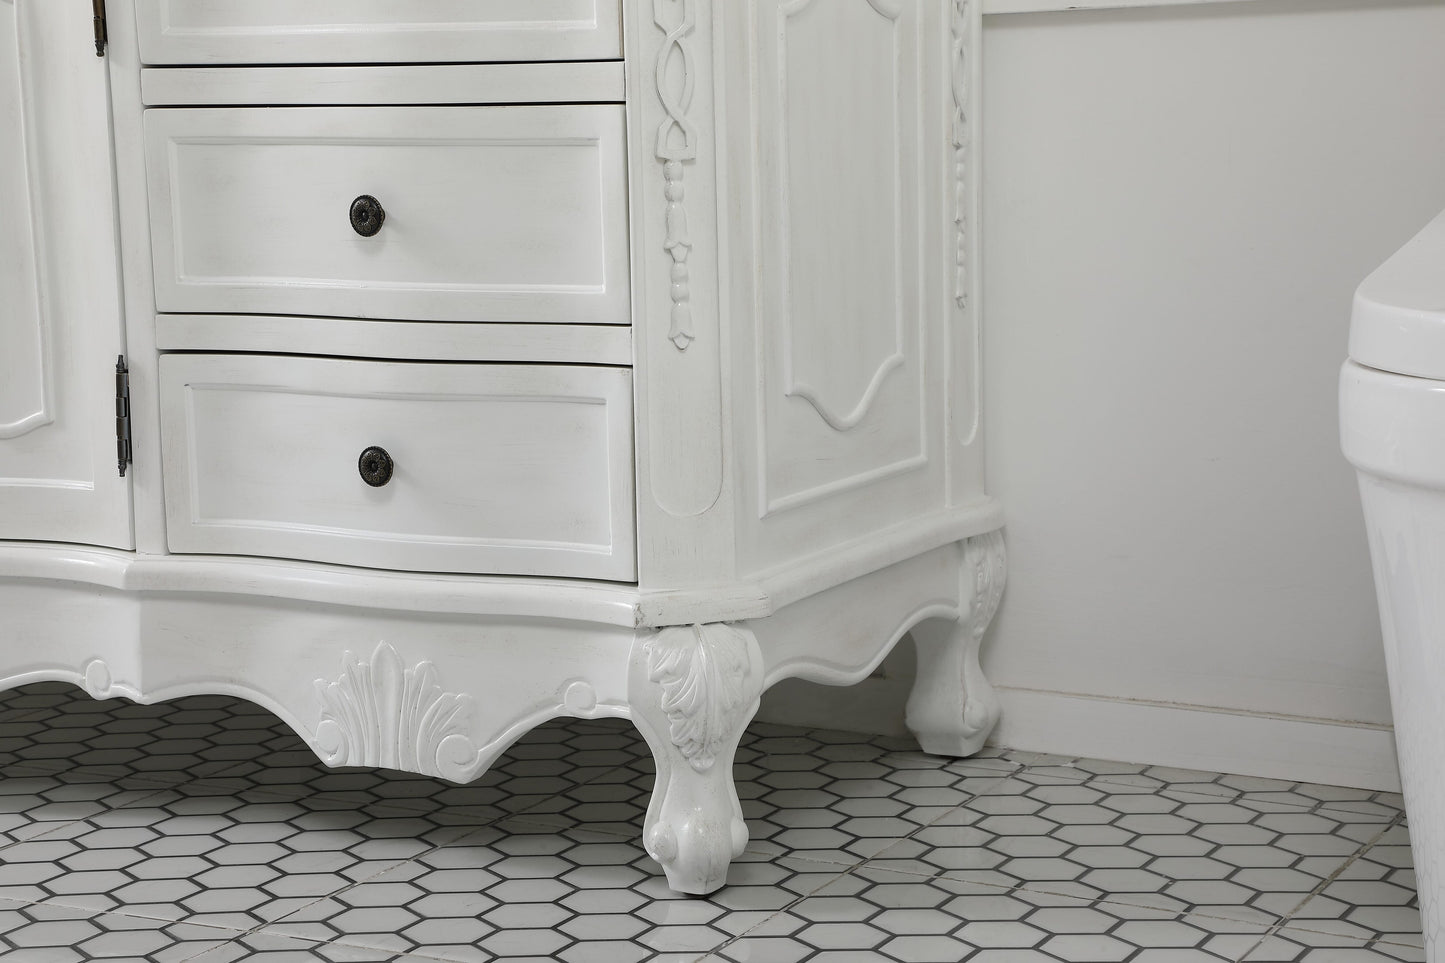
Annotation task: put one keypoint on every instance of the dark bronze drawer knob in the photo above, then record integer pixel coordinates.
(367, 215)
(375, 466)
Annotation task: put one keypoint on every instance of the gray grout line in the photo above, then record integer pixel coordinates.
(1324, 884)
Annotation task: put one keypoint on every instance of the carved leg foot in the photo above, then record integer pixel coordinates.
(693, 690)
(952, 707)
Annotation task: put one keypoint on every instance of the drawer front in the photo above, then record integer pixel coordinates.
(490, 213)
(495, 469)
(376, 31)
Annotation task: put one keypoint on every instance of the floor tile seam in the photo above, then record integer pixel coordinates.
(356, 944)
(233, 933)
(66, 823)
(388, 806)
(1350, 861)
(1244, 957)
(353, 942)
(1120, 779)
(1044, 889)
(752, 847)
(845, 870)
(1285, 925)
(1355, 807)
(99, 769)
(259, 927)
(972, 796)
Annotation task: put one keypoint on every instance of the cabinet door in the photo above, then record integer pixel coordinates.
(60, 328)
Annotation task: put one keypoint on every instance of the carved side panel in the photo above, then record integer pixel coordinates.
(25, 365)
(382, 713)
(846, 203)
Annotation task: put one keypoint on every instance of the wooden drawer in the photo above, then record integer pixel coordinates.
(376, 31)
(513, 213)
(498, 469)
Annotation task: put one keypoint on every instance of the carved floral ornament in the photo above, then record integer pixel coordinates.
(675, 75)
(380, 713)
(987, 560)
(960, 78)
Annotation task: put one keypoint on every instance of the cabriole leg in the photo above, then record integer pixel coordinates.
(692, 691)
(952, 707)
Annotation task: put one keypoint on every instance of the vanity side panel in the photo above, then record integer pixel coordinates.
(678, 135)
(961, 179)
(842, 231)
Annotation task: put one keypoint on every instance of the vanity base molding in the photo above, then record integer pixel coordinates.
(444, 693)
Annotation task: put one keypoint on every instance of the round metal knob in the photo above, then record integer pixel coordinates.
(367, 215)
(375, 466)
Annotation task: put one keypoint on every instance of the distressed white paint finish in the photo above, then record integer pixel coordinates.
(511, 469)
(677, 115)
(376, 31)
(841, 372)
(562, 83)
(693, 690)
(1050, 6)
(839, 319)
(59, 317)
(757, 298)
(492, 213)
(25, 402)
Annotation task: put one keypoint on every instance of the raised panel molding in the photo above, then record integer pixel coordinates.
(26, 378)
(847, 204)
(839, 377)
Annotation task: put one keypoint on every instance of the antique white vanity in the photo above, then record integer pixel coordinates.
(494, 361)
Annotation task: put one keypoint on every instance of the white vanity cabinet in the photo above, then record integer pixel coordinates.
(496, 361)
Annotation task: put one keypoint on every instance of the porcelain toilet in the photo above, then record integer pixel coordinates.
(1392, 429)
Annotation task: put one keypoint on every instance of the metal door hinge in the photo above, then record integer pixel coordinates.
(122, 414)
(98, 6)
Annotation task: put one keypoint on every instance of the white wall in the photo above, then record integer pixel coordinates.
(1178, 204)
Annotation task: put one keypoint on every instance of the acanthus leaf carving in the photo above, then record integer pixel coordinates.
(675, 76)
(380, 713)
(989, 560)
(705, 674)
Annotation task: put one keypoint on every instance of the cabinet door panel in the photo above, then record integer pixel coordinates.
(60, 326)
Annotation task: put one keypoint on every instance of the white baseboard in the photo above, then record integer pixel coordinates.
(1190, 737)
(1068, 724)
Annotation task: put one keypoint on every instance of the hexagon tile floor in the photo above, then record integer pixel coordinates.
(204, 830)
